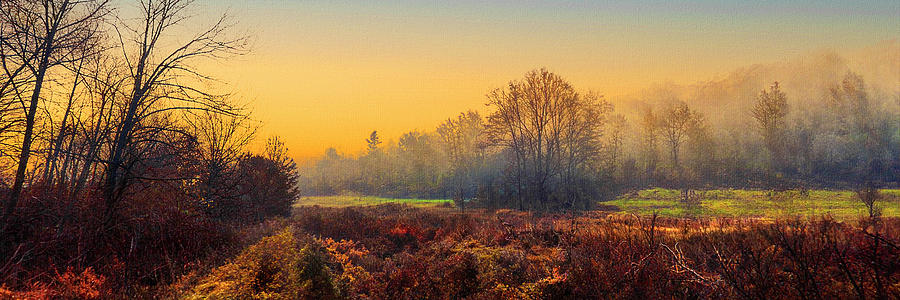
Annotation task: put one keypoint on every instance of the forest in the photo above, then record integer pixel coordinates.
(128, 170)
(544, 145)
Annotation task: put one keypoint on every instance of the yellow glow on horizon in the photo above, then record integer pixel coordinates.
(326, 75)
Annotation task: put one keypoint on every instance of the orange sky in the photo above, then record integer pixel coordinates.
(325, 74)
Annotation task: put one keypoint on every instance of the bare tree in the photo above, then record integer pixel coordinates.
(674, 125)
(420, 163)
(581, 138)
(615, 140)
(549, 127)
(222, 141)
(861, 119)
(770, 111)
(38, 36)
(460, 140)
(64, 131)
(650, 141)
(104, 83)
(701, 153)
(161, 79)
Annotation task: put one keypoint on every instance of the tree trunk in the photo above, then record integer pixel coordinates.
(27, 138)
(113, 185)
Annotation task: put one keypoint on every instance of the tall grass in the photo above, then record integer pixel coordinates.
(401, 252)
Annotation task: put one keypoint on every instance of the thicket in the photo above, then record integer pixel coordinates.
(398, 252)
(122, 165)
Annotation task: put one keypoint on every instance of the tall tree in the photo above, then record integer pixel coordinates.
(460, 138)
(551, 130)
(103, 82)
(770, 111)
(373, 165)
(163, 80)
(373, 142)
(650, 136)
(420, 165)
(674, 126)
(38, 36)
(615, 141)
(867, 127)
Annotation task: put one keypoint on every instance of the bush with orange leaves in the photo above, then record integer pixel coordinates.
(288, 265)
(68, 285)
(398, 252)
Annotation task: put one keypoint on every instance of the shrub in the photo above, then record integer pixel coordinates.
(269, 188)
(283, 266)
(68, 285)
(491, 255)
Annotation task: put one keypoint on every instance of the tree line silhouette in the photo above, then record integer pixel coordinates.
(545, 145)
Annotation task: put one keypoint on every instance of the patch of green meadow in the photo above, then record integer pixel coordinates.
(755, 203)
(348, 201)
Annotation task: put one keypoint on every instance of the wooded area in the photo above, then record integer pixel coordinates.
(126, 157)
(544, 145)
(126, 172)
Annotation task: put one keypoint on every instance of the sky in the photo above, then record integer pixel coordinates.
(325, 74)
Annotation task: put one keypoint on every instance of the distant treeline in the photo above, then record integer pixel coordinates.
(545, 145)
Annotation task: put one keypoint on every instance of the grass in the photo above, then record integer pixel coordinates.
(346, 201)
(715, 203)
(755, 203)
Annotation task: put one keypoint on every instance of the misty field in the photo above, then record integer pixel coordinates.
(842, 205)
(346, 201)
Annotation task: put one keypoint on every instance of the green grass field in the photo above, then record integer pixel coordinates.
(665, 202)
(749, 203)
(345, 201)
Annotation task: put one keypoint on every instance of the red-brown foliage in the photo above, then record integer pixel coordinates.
(399, 252)
(153, 239)
(405, 253)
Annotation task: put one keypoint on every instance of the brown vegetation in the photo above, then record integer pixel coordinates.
(124, 172)
(398, 252)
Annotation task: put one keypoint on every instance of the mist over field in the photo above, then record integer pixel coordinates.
(806, 78)
(809, 140)
(180, 149)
